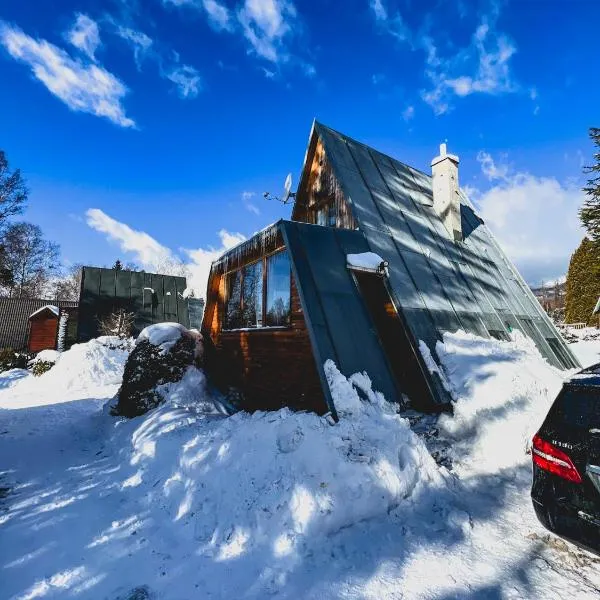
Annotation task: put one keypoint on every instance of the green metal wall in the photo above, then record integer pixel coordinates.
(152, 298)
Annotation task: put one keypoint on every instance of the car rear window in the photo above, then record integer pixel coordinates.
(576, 408)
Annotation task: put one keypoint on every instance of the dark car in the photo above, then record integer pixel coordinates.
(566, 461)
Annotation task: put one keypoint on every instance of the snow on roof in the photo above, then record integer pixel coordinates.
(49, 307)
(365, 260)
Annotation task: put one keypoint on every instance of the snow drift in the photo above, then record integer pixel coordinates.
(186, 502)
(81, 370)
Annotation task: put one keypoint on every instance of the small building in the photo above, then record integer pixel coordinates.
(151, 297)
(43, 329)
(15, 323)
(378, 261)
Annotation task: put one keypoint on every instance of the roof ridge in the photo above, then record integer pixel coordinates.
(354, 140)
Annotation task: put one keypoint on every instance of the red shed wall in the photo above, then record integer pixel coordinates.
(42, 333)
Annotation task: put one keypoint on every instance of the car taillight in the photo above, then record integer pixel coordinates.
(552, 459)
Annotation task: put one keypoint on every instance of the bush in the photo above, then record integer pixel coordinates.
(9, 359)
(41, 366)
(150, 365)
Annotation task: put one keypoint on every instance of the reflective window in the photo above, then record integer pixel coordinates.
(278, 290)
(249, 305)
(252, 295)
(233, 309)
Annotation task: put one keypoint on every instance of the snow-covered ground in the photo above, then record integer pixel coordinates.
(186, 503)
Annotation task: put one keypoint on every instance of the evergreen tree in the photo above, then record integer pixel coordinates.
(590, 211)
(583, 284)
(118, 266)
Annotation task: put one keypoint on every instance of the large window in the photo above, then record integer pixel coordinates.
(252, 295)
(250, 304)
(233, 306)
(278, 290)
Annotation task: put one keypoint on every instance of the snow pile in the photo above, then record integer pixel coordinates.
(365, 260)
(273, 484)
(503, 391)
(166, 335)
(93, 368)
(46, 356)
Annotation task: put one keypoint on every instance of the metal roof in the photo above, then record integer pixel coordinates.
(14, 318)
(439, 285)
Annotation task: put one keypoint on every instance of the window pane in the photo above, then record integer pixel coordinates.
(331, 216)
(321, 217)
(278, 290)
(233, 311)
(252, 292)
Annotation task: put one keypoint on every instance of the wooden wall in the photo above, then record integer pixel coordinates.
(43, 332)
(322, 189)
(271, 367)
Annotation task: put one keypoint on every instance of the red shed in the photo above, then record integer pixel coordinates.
(43, 328)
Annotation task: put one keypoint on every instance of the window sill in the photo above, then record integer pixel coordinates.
(249, 329)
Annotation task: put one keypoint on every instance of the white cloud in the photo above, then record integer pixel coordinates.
(186, 79)
(250, 206)
(489, 167)
(265, 24)
(379, 10)
(218, 15)
(82, 86)
(408, 113)
(138, 40)
(200, 259)
(394, 25)
(534, 218)
(481, 67)
(146, 250)
(486, 60)
(84, 35)
(153, 256)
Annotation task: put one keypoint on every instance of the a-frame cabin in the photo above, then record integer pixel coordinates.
(295, 295)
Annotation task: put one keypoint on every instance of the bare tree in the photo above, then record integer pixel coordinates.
(67, 286)
(13, 191)
(31, 259)
(118, 323)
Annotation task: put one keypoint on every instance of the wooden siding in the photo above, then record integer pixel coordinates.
(271, 368)
(43, 332)
(321, 191)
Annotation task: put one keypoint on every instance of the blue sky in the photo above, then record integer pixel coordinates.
(148, 131)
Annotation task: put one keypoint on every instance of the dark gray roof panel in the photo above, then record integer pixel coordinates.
(440, 285)
(338, 323)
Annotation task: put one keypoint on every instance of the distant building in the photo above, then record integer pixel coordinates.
(307, 290)
(151, 297)
(18, 316)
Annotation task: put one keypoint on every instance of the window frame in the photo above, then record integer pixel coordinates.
(263, 259)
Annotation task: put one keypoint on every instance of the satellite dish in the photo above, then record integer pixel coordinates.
(287, 191)
(287, 187)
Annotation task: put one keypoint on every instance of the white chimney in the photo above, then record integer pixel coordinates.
(446, 201)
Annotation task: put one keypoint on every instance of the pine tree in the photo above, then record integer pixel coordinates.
(590, 211)
(118, 266)
(583, 284)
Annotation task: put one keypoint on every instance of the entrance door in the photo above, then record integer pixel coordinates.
(394, 339)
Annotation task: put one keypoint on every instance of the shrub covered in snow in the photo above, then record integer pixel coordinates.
(40, 367)
(9, 359)
(162, 355)
(43, 362)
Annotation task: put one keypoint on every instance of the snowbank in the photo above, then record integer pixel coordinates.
(185, 502)
(273, 483)
(502, 393)
(87, 368)
(47, 356)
